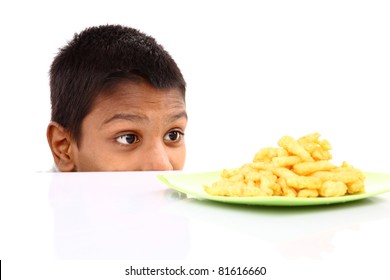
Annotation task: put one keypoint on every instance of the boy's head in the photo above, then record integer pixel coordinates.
(118, 103)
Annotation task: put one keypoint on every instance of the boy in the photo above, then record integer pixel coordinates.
(118, 103)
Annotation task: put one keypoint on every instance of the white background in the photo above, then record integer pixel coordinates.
(256, 70)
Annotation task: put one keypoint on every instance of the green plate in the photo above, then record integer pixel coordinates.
(192, 184)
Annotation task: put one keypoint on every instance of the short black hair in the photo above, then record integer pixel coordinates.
(103, 56)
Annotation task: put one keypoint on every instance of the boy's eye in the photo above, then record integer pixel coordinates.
(128, 139)
(173, 136)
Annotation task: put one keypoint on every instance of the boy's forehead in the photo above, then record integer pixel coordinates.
(139, 97)
(139, 91)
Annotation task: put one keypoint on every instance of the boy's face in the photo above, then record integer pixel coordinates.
(135, 127)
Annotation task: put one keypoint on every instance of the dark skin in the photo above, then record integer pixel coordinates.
(135, 127)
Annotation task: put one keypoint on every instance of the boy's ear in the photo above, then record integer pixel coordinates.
(60, 144)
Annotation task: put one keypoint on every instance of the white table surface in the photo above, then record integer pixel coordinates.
(134, 217)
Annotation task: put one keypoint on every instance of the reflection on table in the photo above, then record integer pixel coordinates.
(134, 216)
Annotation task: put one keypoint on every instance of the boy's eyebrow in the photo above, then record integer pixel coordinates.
(128, 117)
(175, 117)
(142, 118)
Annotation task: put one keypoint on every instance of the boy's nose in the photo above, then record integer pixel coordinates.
(156, 159)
